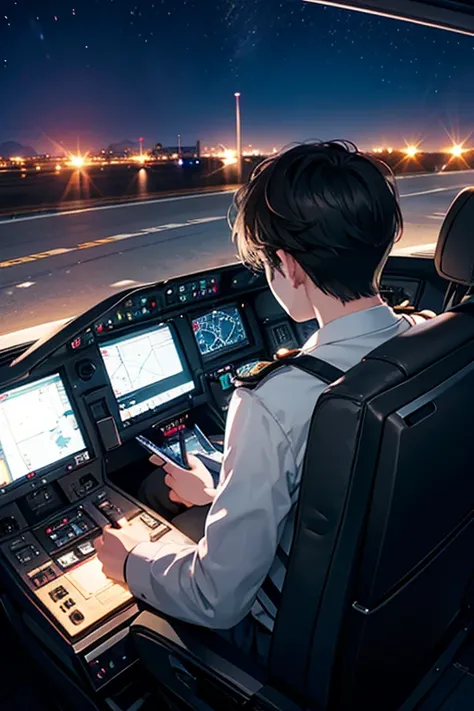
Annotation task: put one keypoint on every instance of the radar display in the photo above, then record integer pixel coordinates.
(218, 330)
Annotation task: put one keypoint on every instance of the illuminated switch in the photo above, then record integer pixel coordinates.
(226, 381)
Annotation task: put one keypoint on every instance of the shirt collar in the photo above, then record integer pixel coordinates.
(353, 325)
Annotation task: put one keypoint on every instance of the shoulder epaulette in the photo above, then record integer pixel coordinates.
(263, 368)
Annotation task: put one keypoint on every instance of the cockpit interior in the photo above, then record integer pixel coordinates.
(377, 609)
(390, 599)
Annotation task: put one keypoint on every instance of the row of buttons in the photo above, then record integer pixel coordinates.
(192, 291)
(67, 528)
(33, 485)
(43, 576)
(83, 550)
(59, 594)
(134, 310)
(111, 662)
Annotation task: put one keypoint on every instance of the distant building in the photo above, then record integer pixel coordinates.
(123, 149)
(12, 149)
(173, 152)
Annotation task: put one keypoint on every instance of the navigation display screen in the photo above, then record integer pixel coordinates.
(146, 370)
(37, 428)
(219, 330)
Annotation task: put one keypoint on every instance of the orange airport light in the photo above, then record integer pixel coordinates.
(229, 156)
(77, 161)
(411, 151)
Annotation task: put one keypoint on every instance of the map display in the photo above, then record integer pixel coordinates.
(139, 361)
(37, 428)
(145, 371)
(219, 330)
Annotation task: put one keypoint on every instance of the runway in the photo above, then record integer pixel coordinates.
(55, 266)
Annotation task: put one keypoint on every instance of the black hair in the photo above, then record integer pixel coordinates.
(335, 210)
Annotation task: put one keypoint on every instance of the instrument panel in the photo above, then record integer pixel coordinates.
(153, 359)
(72, 406)
(157, 352)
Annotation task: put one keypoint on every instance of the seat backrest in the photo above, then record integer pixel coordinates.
(454, 255)
(383, 551)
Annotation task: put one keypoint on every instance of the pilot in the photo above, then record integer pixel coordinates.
(320, 219)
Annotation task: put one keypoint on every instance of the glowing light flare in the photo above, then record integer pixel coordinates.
(142, 159)
(77, 161)
(456, 150)
(229, 157)
(411, 151)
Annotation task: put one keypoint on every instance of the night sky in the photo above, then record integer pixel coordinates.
(105, 70)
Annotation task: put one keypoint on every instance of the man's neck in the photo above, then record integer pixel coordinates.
(330, 309)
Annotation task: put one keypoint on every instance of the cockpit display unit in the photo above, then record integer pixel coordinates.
(38, 428)
(146, 370)
(219, 330)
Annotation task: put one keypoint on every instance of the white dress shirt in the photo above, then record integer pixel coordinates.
(215, 582)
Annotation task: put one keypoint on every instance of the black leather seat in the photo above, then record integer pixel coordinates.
(379, 580)
(456, 264)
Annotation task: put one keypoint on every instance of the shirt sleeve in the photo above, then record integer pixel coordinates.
(214, 583)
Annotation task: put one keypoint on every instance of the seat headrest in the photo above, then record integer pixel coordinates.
(454, 256)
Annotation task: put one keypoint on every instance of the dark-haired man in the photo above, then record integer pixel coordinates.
(320, 219)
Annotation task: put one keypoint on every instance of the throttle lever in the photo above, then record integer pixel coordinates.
(111, 512)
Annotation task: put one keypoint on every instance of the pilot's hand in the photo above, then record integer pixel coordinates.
(114, 546)
(158, 462)
(191, 487)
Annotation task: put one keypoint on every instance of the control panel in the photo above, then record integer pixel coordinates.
(67, 528)
(57, 560)
(110, 658)
(159, 350)
(155, 359)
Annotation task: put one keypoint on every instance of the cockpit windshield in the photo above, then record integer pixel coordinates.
(126, 127)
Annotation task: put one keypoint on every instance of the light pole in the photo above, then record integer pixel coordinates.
(238, 127)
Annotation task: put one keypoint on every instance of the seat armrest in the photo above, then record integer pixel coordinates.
(199, 646)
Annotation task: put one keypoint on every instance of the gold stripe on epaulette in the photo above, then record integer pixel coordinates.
(258, 367)
(286, 353)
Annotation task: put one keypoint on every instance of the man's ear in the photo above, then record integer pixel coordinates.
(291, 269)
